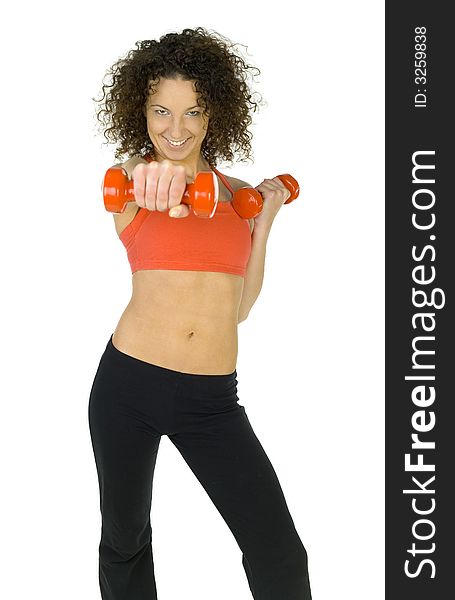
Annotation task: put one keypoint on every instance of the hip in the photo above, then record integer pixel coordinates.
(129, 394)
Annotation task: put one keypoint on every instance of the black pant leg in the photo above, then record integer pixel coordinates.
(218, 443)
(125, 451)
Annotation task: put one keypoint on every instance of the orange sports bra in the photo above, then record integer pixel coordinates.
(154, 240)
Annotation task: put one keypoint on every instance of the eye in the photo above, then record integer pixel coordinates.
(161, 111)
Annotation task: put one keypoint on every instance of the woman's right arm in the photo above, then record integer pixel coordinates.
(157, 186)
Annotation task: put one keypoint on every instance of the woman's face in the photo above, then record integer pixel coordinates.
(173, 115)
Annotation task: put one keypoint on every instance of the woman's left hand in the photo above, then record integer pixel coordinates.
(274, 194)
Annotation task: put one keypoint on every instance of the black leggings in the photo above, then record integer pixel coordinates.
(132, 404)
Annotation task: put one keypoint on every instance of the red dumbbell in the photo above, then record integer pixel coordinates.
(248, 202)
(202, 195)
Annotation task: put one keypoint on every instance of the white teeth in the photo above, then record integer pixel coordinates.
(176, 143)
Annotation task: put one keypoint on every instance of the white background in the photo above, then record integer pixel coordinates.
(310, 364)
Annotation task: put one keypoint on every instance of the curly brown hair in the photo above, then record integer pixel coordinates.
(193, 55)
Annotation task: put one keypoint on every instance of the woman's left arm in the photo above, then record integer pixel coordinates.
(275, 195)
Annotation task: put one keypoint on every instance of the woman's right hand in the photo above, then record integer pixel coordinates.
(160, 185)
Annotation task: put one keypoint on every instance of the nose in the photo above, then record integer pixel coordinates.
(176, 128)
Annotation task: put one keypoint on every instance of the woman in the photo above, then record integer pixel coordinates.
(177, 106)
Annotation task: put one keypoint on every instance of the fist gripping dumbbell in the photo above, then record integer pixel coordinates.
(201, 195)
(248, 202)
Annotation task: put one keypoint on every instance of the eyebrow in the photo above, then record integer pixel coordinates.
(196, 106)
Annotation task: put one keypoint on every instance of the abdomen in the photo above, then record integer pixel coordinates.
(182, 320)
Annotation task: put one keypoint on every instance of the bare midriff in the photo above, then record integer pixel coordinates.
(182, 320)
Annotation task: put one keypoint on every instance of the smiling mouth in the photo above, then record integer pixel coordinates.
(174, 145)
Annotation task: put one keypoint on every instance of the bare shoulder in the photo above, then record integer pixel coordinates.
(236, 185)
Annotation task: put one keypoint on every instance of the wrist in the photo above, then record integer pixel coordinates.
(131, 163)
